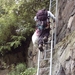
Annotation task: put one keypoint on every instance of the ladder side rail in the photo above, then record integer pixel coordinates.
(45, 54)
(56, 14)
(38, 62)
(51, 60)
(56, 22)
(50, 72)
(50, 5)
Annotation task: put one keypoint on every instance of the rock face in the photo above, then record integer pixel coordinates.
(66, 18)
(64, 56)
(64, 53)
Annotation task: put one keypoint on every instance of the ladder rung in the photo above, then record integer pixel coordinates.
(52, 1)
(54, 5)
(47, 50)
(48, 42)
(46, 59)
(45, 68)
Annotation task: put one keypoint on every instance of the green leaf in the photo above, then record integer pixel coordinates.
(15, 44)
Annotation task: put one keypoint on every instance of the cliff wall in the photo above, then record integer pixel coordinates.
(66, 18)
(64, 53)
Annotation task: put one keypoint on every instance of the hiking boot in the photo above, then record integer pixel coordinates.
(41, 48)
(45, 39)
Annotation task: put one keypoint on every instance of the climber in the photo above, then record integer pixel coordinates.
(42, 19)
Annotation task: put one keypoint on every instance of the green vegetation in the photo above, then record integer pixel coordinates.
(16, 26)
(21, 69)
(16, 21)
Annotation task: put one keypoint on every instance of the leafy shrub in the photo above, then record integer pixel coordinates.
(18, 69)
(21, 69)
(29, 71)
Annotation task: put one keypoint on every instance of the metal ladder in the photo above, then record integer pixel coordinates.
(45, 58)
(53, 9)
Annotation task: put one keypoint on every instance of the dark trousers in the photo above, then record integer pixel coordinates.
(44, 33)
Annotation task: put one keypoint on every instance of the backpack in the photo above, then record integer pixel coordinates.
(42, 15)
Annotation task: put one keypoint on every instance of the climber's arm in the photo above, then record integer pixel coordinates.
(50, 15)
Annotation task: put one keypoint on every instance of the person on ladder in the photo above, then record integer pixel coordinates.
(42, 19)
